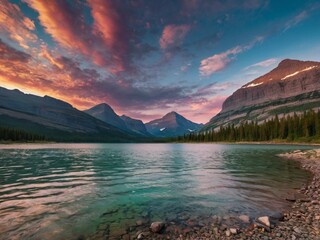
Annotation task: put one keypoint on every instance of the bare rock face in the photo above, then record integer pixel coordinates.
(290, 78)
(293, 85)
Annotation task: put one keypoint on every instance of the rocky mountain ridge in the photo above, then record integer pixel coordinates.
(293, 86)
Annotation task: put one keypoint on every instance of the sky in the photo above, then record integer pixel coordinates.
(146, 58)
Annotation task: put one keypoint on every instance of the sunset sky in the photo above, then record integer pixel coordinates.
(147, 58)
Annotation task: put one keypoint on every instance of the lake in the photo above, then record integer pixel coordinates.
(69, 191)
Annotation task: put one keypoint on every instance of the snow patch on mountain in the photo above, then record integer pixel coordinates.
(297, 72)
(253, 85)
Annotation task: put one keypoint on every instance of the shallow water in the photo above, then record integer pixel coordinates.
(64, 191)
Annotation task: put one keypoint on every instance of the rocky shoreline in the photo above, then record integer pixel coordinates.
(302, 221)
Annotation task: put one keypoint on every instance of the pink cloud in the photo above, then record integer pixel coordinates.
(296, 20)
(173, 35)
(203, 111)
(218, 62)
(265, 63)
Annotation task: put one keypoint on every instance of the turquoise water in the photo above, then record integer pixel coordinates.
(64, 191)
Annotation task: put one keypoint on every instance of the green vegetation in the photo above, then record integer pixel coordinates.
(296, 128)
(280, 106)
(10, 134)
(56, 135)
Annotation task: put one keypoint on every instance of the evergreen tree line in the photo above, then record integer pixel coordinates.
(10, 134)
(304, 127)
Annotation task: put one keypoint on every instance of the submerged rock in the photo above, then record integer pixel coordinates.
(157, 227)
(277, 217)
(244, 218)
(140, 222)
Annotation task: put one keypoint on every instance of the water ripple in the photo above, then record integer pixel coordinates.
(60, 190)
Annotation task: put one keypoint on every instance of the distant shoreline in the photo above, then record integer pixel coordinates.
(160, 142)
(281, 143)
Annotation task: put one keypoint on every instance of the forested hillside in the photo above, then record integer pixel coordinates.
(300, 128)
(10, 134)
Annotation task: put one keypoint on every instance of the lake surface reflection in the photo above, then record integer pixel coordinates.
(63, 191)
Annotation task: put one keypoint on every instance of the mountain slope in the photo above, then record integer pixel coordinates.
(293, 86)
(106, 114)
(54, 118)
(171, 125)
(136, 125)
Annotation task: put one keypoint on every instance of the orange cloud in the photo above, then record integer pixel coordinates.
(109, 22)
(105, 43)
(47, 74)
(44, 52)
(61, 25)
(15, 25)
(68, 28)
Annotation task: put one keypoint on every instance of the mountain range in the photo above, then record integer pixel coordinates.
(59, 121)
(292, 87)
(106, 114)
(56, 119)
(170, 125)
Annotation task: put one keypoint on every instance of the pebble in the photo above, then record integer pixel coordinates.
(233, 230)
(264, 220)
(157, 227)
(244, 218)
(297, 230)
